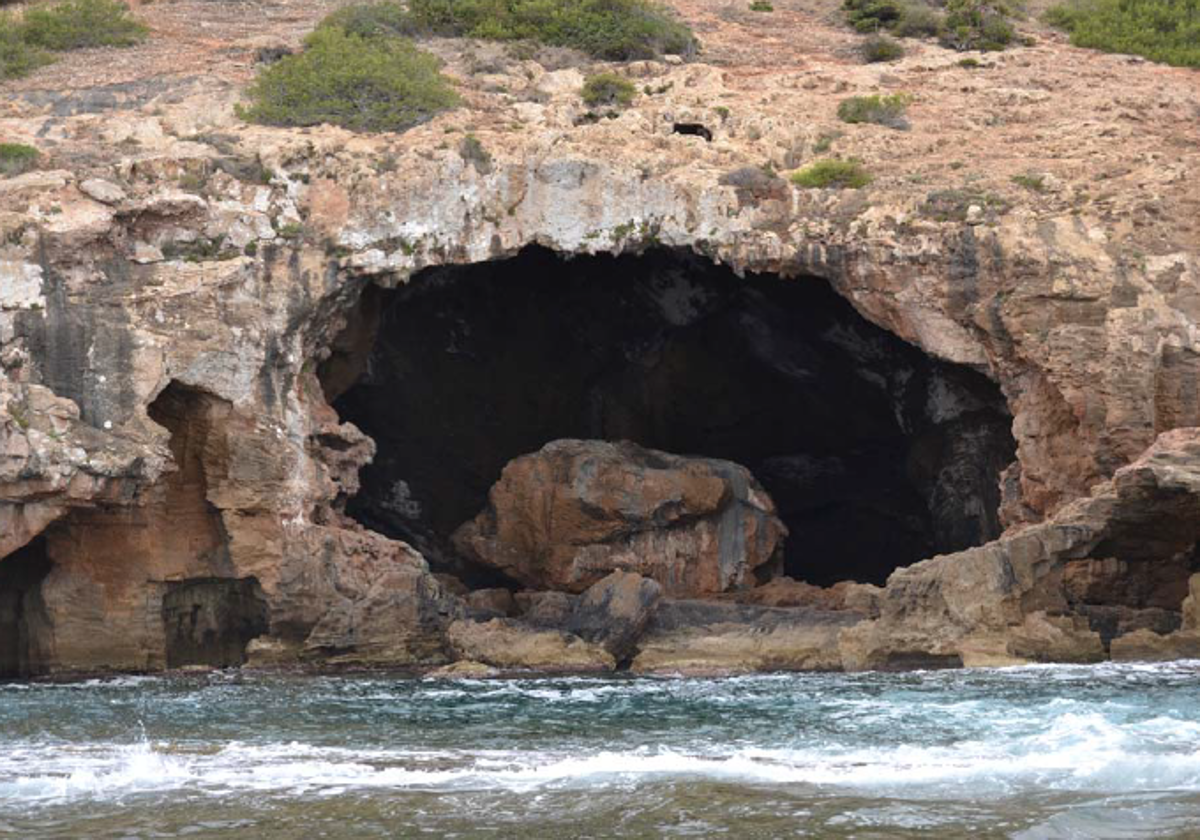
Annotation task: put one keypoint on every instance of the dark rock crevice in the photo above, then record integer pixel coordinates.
(24, 626)
(209, 621)
(876, 454)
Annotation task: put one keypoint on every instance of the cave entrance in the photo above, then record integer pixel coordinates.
(24, 625)
(210, 621)
(876, 454)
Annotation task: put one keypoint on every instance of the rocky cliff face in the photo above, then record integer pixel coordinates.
(181, 304)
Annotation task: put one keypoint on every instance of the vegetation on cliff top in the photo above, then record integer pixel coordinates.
(607, 89)
(79, 24)
(360, 83)
(1161, 30)
(17, 56)
(880, 110)
(70, 25)
(832, 174)
(617, 30)
(16, 158)
(879, 48)
(965, 24)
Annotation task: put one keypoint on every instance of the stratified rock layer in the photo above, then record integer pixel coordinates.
(575, 511)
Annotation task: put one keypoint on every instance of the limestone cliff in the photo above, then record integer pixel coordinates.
(181, 302)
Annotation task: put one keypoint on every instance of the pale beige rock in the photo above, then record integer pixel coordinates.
(509, 644)
(106, 192)
(698, 638)
(463, 670)
(1146, 646)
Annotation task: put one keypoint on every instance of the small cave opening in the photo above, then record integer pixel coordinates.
(209, 621)
(24, 625)
(692, 130)
(876, 454)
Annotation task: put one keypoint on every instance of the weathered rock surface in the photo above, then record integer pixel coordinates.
(575, 511)
(1081, 302)
(1014, 599)
(785, 592)
(464, 669)
(614, 612)
(706, 638)
(511, 644)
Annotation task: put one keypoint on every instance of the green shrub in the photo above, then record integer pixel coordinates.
(881, 110)
(617, 30)
(364, 84)
(1161, 30)
(976, 25)
(78, 24)
(881, 48)
(372, 20)
(16, 158)
(1036, 183)
(872, 15)
(607, 89)
(832, 174)
(761, 6)
(824, 142)
(903, 18)
(918, 21)
(17, 56)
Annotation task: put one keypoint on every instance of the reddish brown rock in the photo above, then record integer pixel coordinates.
(575, 511)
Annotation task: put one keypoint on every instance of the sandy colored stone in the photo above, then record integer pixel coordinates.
(463, 670)
(1147, 646)
(106, 192)
(510, 644)
(706, 638)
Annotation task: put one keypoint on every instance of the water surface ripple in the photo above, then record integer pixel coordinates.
(1108, 751)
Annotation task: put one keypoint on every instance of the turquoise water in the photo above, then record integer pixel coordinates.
(1110, 751)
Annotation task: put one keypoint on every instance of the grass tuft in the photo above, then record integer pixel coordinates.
(832, 174)
(607, 89)
(880, 110)
(17, 158)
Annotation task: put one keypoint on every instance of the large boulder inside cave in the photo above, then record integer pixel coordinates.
(576, 510)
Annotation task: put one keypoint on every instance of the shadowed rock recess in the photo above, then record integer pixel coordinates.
(875, 454)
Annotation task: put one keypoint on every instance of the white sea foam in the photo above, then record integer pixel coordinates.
(919, 738)
(1075, 752)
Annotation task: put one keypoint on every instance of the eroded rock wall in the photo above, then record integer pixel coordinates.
(228, 259)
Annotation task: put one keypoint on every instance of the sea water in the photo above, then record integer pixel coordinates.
(1106, 751)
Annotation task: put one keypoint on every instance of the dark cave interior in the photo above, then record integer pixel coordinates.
(877, 454)
(23, 620)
